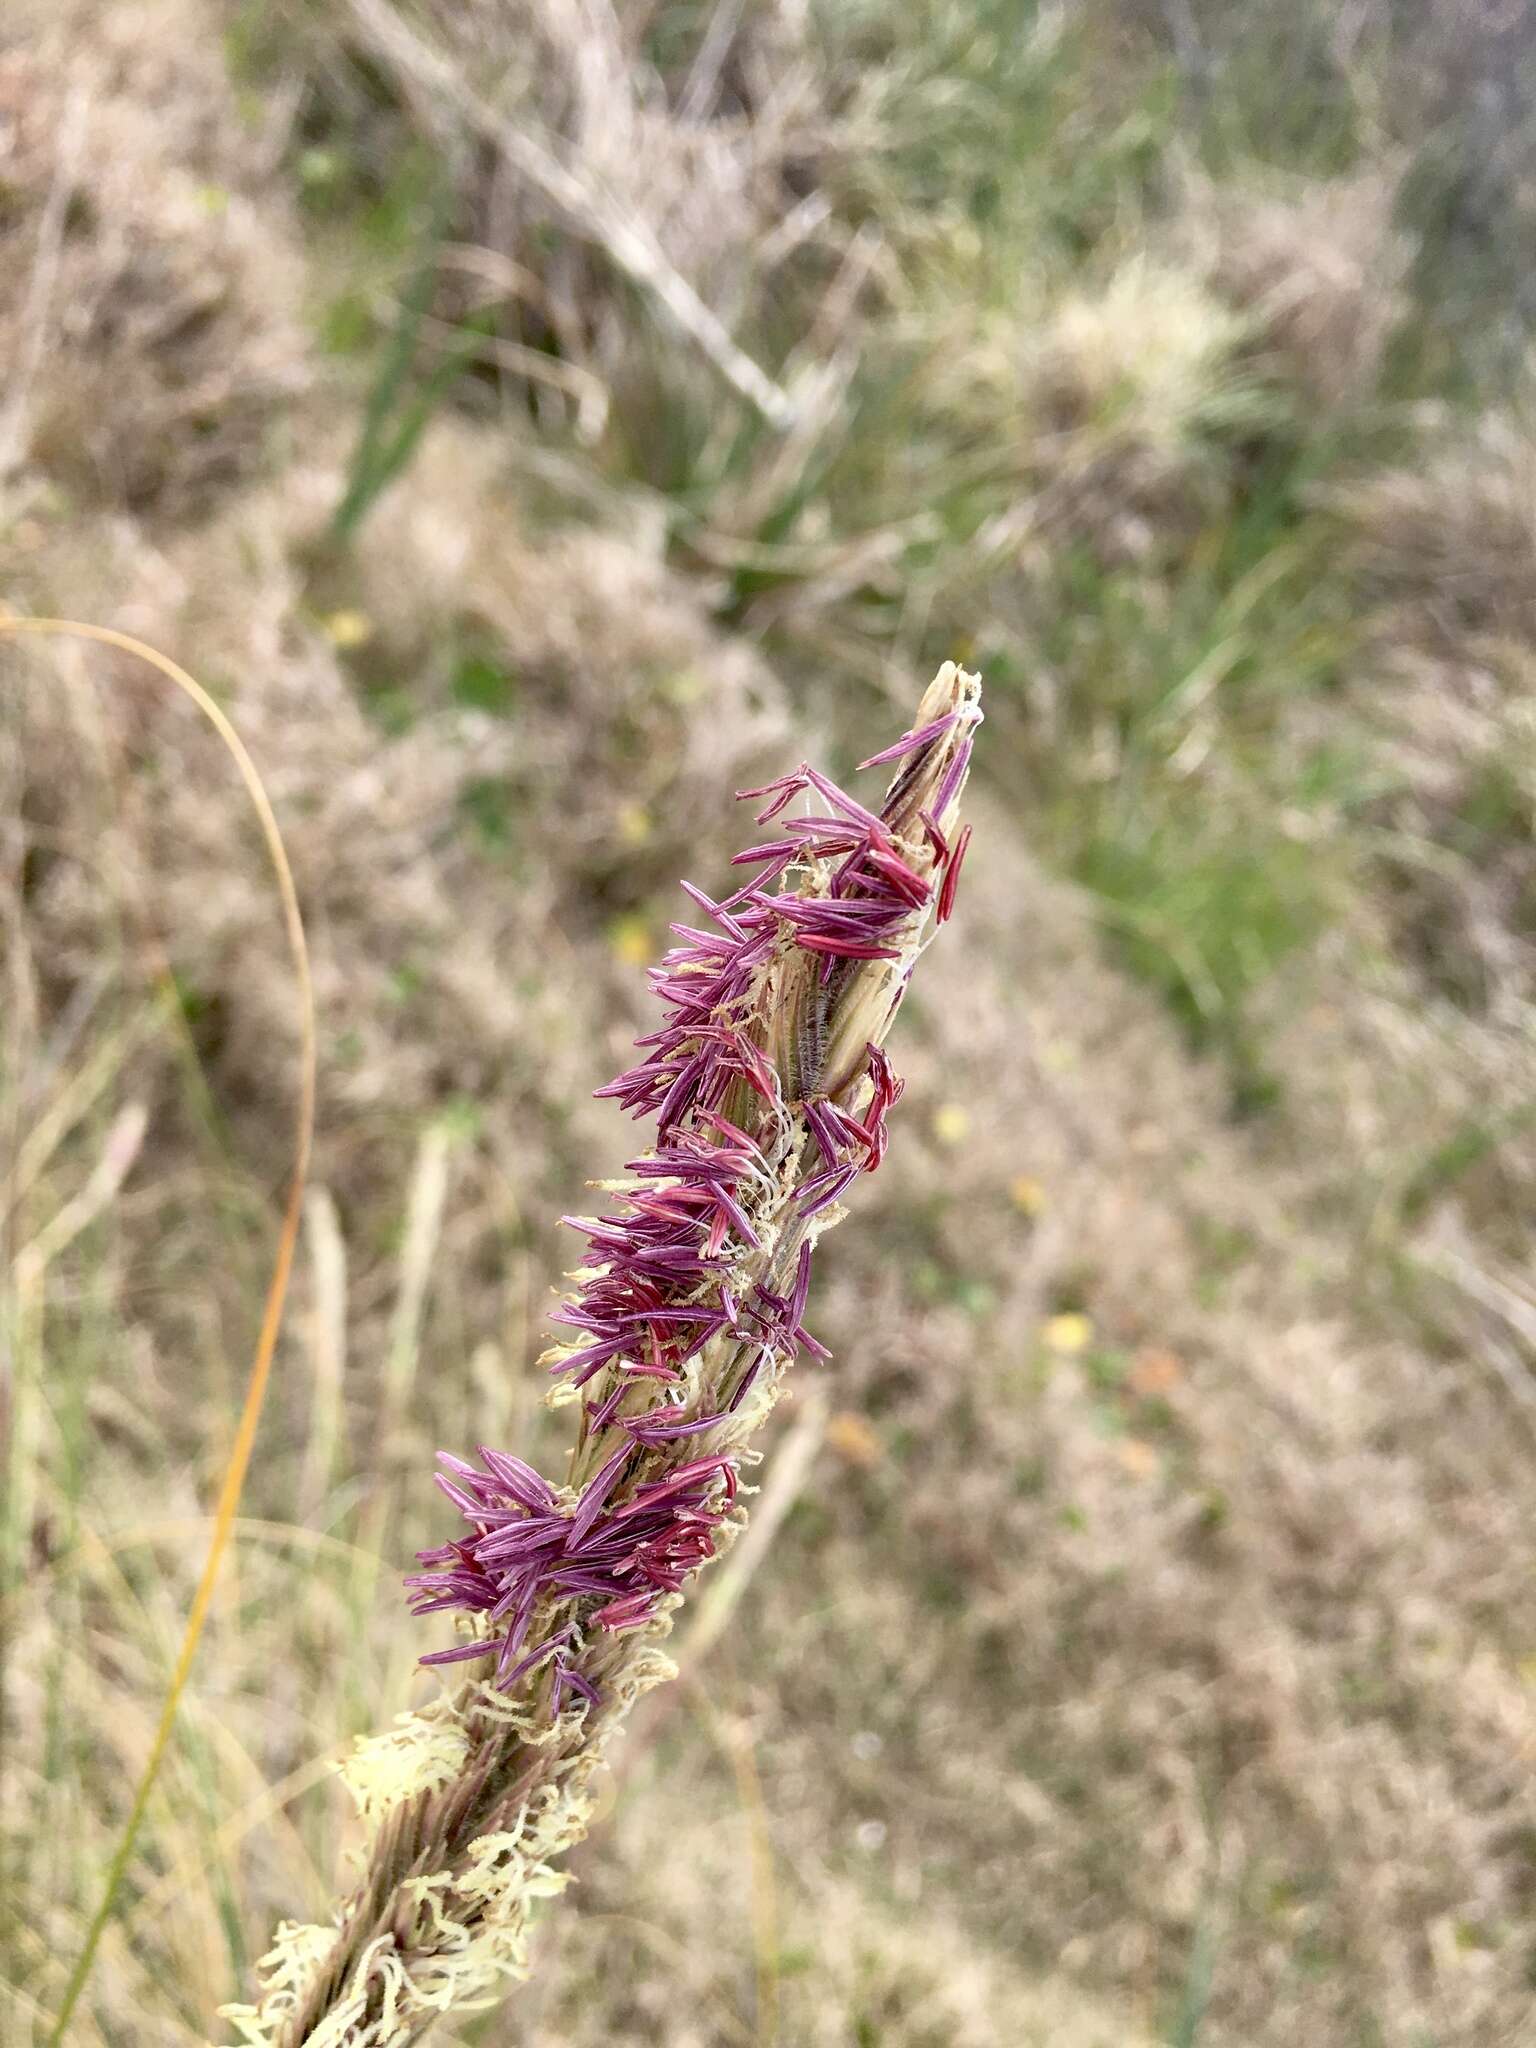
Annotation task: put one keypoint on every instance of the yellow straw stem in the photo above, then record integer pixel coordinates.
(261, 1368)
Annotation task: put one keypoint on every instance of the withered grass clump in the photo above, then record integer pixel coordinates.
(149, 294)
(1128, 392)
(1444, 548)
(1318, 268)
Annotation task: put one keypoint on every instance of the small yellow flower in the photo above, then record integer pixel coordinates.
(951, 1124)
(1027, 1195)
(631, 939)
(853, 1440)
(348, 629)
(1070, 1333)
(634, 823)
(1137, 1458)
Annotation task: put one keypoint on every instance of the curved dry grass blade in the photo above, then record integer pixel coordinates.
(261, 1368)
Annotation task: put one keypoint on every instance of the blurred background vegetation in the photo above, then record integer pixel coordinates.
(534, 421)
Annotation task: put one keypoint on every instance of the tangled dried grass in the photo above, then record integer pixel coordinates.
(1443, 555)
(1128, 394)
(624, 709)
(1444, 549)
(1318, 269)
(149, 291)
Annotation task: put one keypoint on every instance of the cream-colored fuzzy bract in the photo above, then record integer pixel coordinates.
(420, 1753)
(297, 1951)
(468, 1936)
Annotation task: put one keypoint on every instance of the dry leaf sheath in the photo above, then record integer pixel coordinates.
(769, 1087)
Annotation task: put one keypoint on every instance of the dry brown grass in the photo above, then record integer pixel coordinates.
(151, 281)
(1447, 544)
(1319, 269)
(1164, 1581)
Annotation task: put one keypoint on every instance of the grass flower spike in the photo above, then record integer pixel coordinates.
(769, 1088)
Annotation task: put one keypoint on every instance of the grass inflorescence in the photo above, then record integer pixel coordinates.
(770, 1089)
